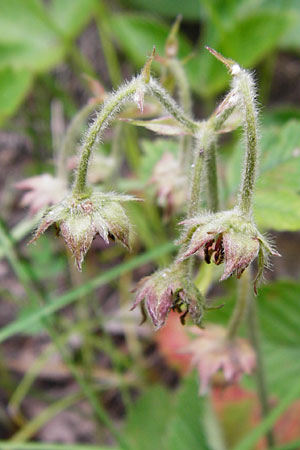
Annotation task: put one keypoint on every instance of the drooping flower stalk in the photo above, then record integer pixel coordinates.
(243, 86)
(71, 136)
(231, 236)
(111, 106)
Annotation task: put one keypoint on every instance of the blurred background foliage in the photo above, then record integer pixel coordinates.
(45, 49)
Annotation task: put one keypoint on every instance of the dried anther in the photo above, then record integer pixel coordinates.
(165, 290)
(81, 219)
(227, 237)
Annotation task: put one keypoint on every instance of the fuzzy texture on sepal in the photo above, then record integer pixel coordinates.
(230, 238)
(165, 290)
(212, 351)
(81, 219)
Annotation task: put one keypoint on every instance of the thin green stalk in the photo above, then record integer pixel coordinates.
(185, 99)
(71, 136)
(195, 177)
(261, 384)
(110, 107)
(240, 306)
(246, 89)
(56, 303)
(249, 441)
(5, 445)
(212, 188)
(25, 277)
(171, 106)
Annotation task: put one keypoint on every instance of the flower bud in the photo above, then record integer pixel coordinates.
(80, 220)
(227, 237)
(168, 289)
(212, 351)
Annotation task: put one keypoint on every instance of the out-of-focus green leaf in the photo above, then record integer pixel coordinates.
(168, 420)
(152, 153)
(190, 9)
(277, 195)
(27, 39)
(14, 85)
(33, 40)
(247, 40)
(148, 419)
(71, 15)
(186, 428)
(137, 34)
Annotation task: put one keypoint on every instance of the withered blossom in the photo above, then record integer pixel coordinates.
(212, 351)
(170, 184)
(81, 219)
(227, 237)
(165, 290)
(41, 191)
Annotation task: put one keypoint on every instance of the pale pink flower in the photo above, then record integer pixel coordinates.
(212, 351)
(41, 191)
(170, 184)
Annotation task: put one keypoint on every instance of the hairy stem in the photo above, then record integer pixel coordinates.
(261, 384)
(185, 101)
(210, 165)
(69, 141)
(110, 107)
(245, 86)
(171, 106)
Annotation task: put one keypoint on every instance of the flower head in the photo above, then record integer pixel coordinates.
(168, 289)
(212, 351)
(228, 237)
(81, 219)
(42, 191)
(170, 183)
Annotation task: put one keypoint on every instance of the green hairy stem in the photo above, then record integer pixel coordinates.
(110, 107)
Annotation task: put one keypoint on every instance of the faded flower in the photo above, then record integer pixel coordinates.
(81, 219)
(165, 290)
(170, 184)
(228, 237)
(42, 191)
(212, 351)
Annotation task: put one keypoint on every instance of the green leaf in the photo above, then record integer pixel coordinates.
(168, 420)
(152, 153)
(247, 40)
(148, 419)
(190, 9)
(14, 85)
(28, 39)
(279, 316)
(137, 34)
(277, 197)
(71, 15)
(186, 428)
